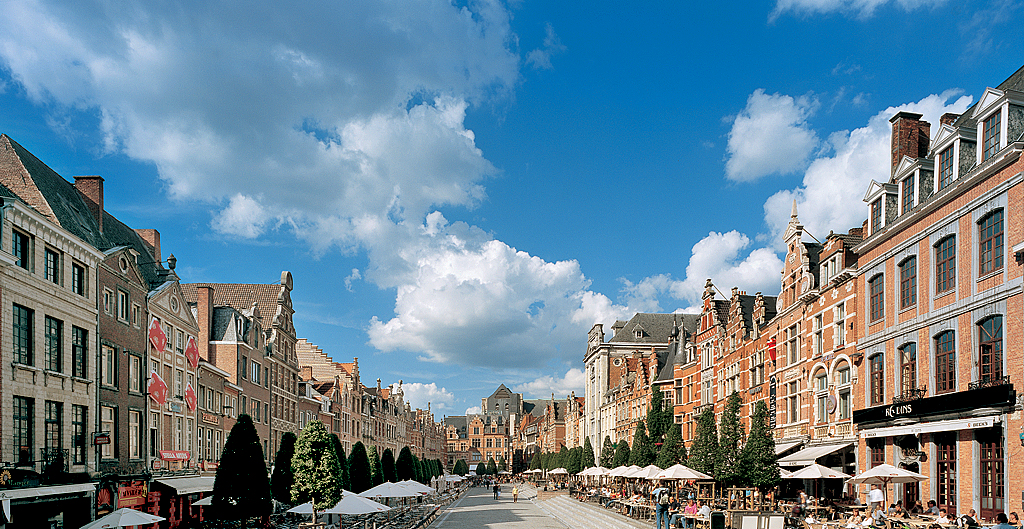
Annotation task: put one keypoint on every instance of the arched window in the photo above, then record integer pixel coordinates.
(945, 264)
(990, 245)
(945, 362)
(990, 338)
(908, 367)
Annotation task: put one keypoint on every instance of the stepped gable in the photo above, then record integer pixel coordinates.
(50, 194)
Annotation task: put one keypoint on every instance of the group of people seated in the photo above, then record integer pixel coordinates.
(937, 517)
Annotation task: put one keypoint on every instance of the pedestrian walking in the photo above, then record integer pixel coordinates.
(496, 488)
(515, 494)
(661, 502)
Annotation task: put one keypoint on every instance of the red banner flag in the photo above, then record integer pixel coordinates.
(190, 397)
(192, 352)
(157, 336)
(157, 388)
(771, 348)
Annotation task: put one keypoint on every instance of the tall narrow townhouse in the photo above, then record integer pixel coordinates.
(940, 268)
(340, 383)
(48, 398)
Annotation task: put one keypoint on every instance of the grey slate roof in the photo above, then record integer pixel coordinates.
(1014, 82)
(656, 328)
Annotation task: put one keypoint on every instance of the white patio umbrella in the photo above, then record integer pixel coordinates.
(885, 474)
(623, 470)
(453, 477)
(416, 486)
(123, 517)
(816, 471)
(595, 471)
(389, 490)
(681, 472)
(205, 502)
(352, 503)
(558, 471)
(648, 472)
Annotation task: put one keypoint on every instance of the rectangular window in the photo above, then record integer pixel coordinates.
(990, 249)
(908, 282)
(877, 379)
(51, 269)
(154, 433)
(990, 335)
(108, 365)
(79, 352)
(108, 302)
(178, 383)
(135, 373)
(134, 434)
(245, 366)
(908, 195)
(945, 447)
(53, 427)
(179, 344)
(794, 401)
(945, 168)
(945, 264)
(78, 279)
(22, 250)
(876, 216)
(844, 404)
(945, 363)
(840, 337)
(79, 422)
(822, 408)
(819, 342)
(122, 306)
(876, 286)
(179, 439)
(22, 329)
(908, 367)
(23, 430)
(54, 340)
(793, 344)
(108, 424)
(135, 315)
(189, 426)
(876, 448)
(991, 131)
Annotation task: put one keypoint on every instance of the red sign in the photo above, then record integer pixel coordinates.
(132, 494)
(157, 388)
(101, 438)
(157, 336)
(771, 348)
(190, 397)
(192, 352)
(174, 455)
(208, 465)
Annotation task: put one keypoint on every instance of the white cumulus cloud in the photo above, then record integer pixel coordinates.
(770, 136)
(544, 387)
(472, 410)
(857, 8)
(418, 395)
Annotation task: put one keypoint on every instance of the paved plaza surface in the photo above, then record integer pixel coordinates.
(478, 509)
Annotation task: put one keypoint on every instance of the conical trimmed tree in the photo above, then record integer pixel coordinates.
(241, 489)
(376, 474)
(387, 466)
(492, 468)
(359, 468)
(607, 453)
(658, 418)
(404, 465)
(588, 459)
(760, 468)
(316, 467)
(642, 453)
(535, 462)
(339, 451)
(670, 451)
(704, 449)
(460, 468)
(282, 478)
(621, 454)
(727, 464)
(501, 464)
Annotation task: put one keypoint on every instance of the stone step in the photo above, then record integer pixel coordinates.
(579, 515)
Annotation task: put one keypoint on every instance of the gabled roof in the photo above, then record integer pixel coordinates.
(239, 296)
(656, 328)
(1013, 82)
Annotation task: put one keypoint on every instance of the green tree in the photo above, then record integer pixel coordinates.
(376, 473)
(659, 417)
(670, 451)
(316, 467)
(588, 459)
(460, 468)
(359, 468)
(563, 458)
(759, 464)
(346, 482)
(241, 489)
(642, 453)
(282, 478)
(607, 453)
(621, 454)
(704, 449)
(535, 461)
(404, 466)
(727, 463)
(501, 464)
(387, 466)
(573, 465)
(492, 467)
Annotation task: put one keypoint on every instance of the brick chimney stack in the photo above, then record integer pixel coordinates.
(910, 137)
(204, 317)
(91, 189)
(152, 238)
(948, 118)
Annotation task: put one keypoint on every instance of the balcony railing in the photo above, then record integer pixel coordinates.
(990, 382)
(910, 395)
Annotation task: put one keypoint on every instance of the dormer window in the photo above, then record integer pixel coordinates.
(876, 215)
(908, 194)
(990, 135)
(946, 167)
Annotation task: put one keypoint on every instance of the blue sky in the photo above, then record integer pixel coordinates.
(462, 190)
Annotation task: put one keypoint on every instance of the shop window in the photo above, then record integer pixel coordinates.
(992, 465)
(945, 447)
(23, 430)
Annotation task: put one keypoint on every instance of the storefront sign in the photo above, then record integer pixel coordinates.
(1002, 396)
(773, 385)
(174, 455)
(174, 406)
(208, 465)
(101, 438)
(211, 418)
(132, 493)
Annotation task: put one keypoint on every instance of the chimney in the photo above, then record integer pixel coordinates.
(91, 189)
(910, 137)
(152, 238)
(948, 118)
(204, 317)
